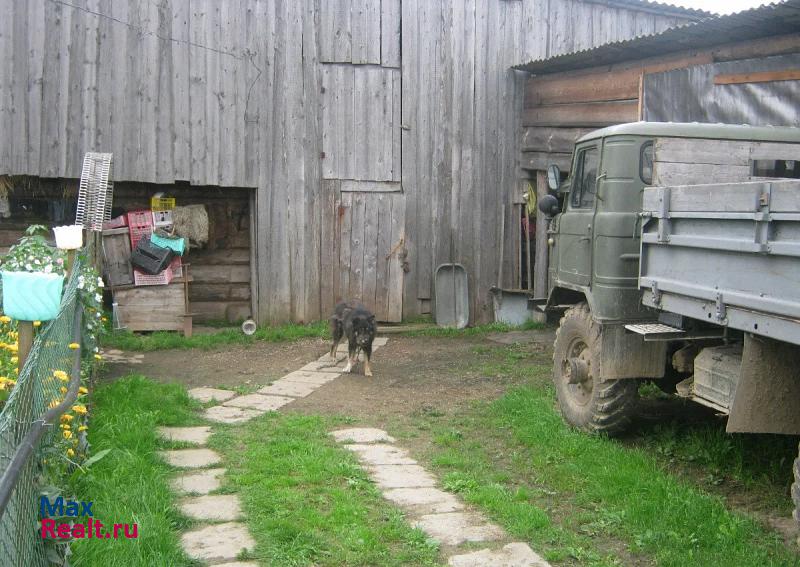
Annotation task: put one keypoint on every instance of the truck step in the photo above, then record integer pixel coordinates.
(654, 328)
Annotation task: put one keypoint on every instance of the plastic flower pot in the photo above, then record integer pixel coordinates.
(69, 237)
(32, 296)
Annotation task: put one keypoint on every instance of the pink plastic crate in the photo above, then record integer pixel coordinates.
(141, 279)
(140, 225)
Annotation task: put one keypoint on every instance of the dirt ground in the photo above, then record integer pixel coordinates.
(412, 375)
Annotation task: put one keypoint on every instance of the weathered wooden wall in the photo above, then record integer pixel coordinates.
(230, 93)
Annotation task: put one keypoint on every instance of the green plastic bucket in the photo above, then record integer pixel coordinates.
(32, 296)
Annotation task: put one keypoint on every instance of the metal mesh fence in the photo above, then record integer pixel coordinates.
(37, 390)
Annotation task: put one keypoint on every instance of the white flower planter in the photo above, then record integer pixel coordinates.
(69, 237)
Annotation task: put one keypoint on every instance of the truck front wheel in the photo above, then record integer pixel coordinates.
(586, 402)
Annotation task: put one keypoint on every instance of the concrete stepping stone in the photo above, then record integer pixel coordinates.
(362, 435)
(511, 555)
(222, 414)
(422, 501)
(381, 454)
(197, 435)
(289, 388)
(218, 542)
(311, 377)
(400, 476)
(454, 528)
(212, 507)
(325, 364)
(205, 395)
(191, 458)
(258, 402)
(379, 341)
(201, 482)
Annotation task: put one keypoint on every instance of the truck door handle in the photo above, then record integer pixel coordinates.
(584, 239)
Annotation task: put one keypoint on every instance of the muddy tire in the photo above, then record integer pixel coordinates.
(585, 401)
(796, 489)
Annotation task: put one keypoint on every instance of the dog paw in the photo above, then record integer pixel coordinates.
(368, 373)
(348, 369)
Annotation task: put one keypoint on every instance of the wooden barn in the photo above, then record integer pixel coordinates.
(343, 148)
(738, 69)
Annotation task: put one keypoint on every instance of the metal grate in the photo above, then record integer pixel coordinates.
(96, 191)
(653, 329)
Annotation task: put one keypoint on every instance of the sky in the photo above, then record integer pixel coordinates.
(717, 6)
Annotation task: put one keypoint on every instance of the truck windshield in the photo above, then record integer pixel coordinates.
(585, 184)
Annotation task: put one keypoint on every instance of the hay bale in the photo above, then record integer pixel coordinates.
(191, 222)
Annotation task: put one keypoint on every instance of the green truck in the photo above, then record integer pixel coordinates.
(674, 256)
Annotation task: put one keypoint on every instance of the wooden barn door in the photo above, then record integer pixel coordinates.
(363, 240)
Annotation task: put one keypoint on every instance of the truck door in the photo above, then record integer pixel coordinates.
(575, 224)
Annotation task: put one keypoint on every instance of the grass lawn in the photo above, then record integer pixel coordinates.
(583, 500)
(163, 340)
(308, 502)
(131, 484)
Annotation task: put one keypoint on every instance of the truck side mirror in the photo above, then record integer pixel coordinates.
(548, 205)
(553, 177)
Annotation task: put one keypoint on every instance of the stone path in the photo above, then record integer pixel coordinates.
(438, 513)
(221, 538)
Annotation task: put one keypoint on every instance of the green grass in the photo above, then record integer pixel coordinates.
(477, 330)
(131, 484)
(307, 501)
(585, 500)
(163, 340)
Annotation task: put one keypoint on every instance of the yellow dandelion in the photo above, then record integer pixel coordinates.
(61, 375)
(79, 409)
(74, 346)
(83, 390)
(12, 347)
(5, 319)
(98, 357)
(67, 417)
(83, 428)
(104, 319)
(37, 323)
(67, 434)
(70, 453)
(63, 390)
(14, 360)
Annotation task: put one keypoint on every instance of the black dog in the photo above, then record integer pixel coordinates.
(352, 320)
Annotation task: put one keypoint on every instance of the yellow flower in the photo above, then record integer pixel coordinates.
(98, 357)
(65, 426)
(104, 319)
(14, 360)
(79, 409)
(70, 453)
(83, 428)
(63, 390)
(67, 417)
(37, 323)
(5, 319)
(74, 346)
(12, 347)
(83, 390)
(67, 434)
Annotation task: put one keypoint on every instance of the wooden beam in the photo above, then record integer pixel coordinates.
(542, 160)
(583, 114)
(763, 77)
(602, 86)
(543, 139)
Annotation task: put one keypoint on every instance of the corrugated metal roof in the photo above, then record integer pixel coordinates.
(770, 20)
(661, 8)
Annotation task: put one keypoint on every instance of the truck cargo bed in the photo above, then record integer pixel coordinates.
(727, 254)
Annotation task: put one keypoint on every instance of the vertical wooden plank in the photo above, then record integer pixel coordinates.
(163, 101)
(365, 21)
(104, 94)
(396, 125)
(394, 312)
(384, 257)
(363, 113)
(329, 253)
(15, 54)
(117, 89)
(213, 100)
(357, 245)
(328, 112)
(344, 217)
(198, 87)
(35, 68)
(372, 205)
(408, 162)
(342, 36)
(390, 33)
(181, 117)
(540, 264)
(150, 55)
(71, 126)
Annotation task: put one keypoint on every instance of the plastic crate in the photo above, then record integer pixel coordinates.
(141, 279)
(140, 225)
(116, 222)
(162, 203)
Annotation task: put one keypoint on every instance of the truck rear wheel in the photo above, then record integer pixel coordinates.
(586, 402)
